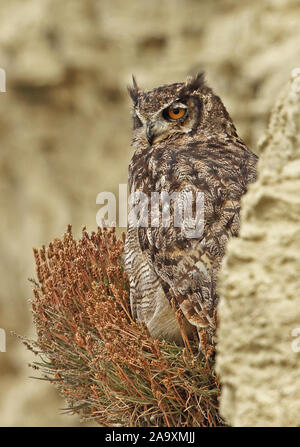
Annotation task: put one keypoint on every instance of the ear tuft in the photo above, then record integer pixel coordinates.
(195, 82)
(134, 90)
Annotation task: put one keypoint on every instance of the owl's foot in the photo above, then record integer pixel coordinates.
(207, 341)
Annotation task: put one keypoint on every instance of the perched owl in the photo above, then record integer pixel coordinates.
(184, 141)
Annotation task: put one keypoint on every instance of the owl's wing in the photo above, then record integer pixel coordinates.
(187, 264)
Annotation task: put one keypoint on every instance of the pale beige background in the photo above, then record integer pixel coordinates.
(65, 123)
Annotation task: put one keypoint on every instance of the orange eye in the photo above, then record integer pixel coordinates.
(176, 113)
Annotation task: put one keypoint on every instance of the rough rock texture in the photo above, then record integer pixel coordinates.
(258, 351)
(65, 122)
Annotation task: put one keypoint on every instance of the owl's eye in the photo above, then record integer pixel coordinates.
(174, 113)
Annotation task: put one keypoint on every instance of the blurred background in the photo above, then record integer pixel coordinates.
(65, 124)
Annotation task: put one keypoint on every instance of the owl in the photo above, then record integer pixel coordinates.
(184, 142)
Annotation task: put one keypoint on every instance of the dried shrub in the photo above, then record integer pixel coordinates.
(107, 366)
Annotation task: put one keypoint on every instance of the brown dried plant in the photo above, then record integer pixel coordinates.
(107, 366)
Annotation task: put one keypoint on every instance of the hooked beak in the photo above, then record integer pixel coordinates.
(150, 132)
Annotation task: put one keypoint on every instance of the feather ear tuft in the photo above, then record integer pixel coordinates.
(195, 82)
(134, 90)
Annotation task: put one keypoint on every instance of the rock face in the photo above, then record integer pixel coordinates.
(259, 334)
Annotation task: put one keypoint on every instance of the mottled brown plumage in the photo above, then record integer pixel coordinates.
(199, 151)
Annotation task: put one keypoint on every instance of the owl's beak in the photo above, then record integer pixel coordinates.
(150, 132)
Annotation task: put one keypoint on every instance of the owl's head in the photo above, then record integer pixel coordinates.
(177, 109)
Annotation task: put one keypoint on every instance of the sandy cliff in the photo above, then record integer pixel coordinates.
(258, 350)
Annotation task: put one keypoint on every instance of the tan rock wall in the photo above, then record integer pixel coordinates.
(258, 351)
